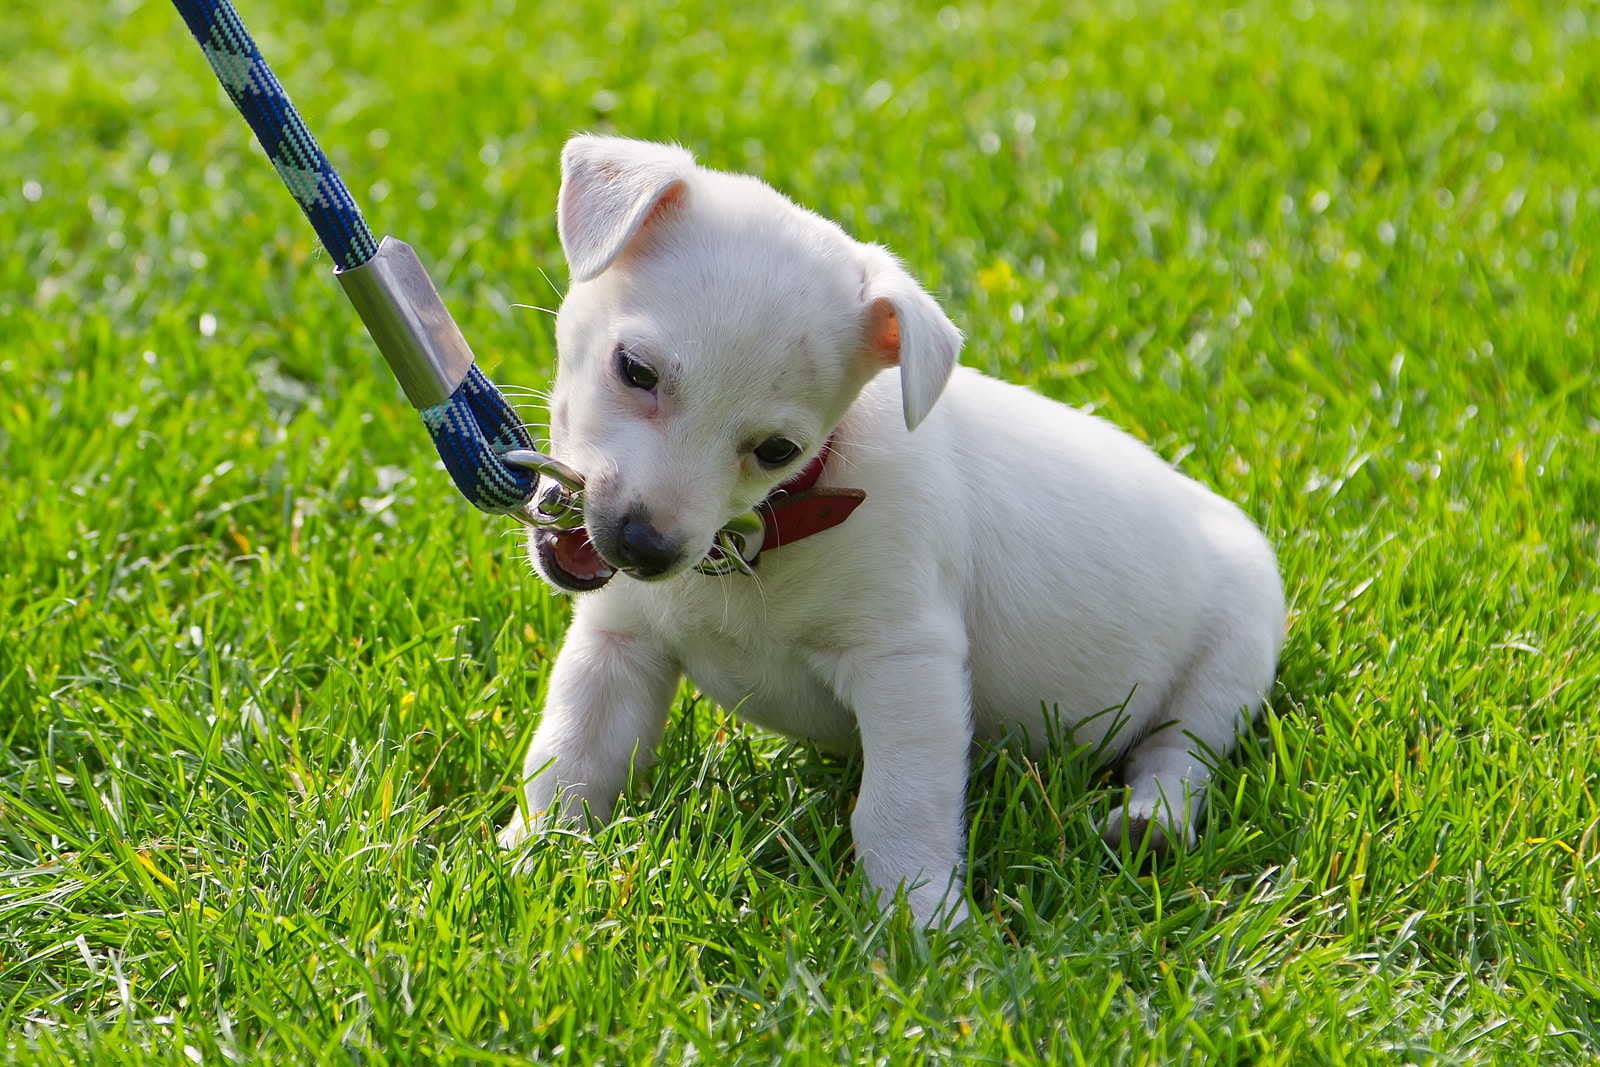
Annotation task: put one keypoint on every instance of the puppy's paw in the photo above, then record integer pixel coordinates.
(1141, 826)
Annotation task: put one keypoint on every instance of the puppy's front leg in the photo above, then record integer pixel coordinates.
(913, 707)
(604, 714)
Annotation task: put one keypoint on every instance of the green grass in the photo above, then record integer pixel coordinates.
(265, 680)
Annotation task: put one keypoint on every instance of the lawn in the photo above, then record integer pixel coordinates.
(266, 681)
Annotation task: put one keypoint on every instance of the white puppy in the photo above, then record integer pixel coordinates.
(1016, 565)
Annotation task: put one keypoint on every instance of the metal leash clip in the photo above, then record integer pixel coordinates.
(558, 504)
(736, 547)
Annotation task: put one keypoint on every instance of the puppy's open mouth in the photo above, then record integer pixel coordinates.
(568, 559)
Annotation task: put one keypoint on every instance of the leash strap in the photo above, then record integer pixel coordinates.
(470, 422)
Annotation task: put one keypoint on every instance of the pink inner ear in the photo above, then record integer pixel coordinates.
(883, 332)
(669, 200)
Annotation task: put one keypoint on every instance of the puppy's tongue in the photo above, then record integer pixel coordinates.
(575, 554)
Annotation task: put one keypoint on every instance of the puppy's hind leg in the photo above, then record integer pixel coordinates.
(1166, 772)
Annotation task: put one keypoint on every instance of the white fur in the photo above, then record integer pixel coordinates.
(1012, 555)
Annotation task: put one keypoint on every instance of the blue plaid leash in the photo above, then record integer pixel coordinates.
(471, 423)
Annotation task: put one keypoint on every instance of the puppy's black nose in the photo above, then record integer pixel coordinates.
(642, 549)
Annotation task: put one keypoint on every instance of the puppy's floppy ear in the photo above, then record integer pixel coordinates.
(611, 187)
(905, 327)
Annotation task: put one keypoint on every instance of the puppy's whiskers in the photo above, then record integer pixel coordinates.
(534, 307)
(533, 429)
(524, 390)
(761, 593)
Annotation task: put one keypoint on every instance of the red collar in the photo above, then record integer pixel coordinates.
(797, 508)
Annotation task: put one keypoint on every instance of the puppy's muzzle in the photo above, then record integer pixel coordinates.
(581, 559)
(567, 555)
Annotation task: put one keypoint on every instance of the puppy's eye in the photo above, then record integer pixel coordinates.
(635, 371)
(774, 452)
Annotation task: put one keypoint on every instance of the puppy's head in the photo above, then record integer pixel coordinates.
(713, 335)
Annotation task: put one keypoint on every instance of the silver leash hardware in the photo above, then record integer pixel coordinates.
(558, 505)
(409, 323)
(737, 546)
